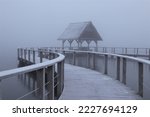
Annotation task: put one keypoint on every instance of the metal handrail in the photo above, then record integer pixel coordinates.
(58, 60)
(8, 73)
(120, 65)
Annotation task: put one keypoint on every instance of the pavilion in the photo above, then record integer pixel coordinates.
(80, 32)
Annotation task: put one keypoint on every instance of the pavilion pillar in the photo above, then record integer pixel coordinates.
(70, 42)
(96, 49)
(78, 43)
(88, 42)
(63, 42)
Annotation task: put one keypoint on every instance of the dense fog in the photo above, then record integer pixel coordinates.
(36, 23)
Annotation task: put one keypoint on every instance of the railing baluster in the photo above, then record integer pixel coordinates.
(140, 80)
(118, 68)
(50, 79)
(33, 56)
(124, 71)
(41, 82)
(106, 64)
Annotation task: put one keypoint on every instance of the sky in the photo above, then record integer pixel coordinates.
(39, 23)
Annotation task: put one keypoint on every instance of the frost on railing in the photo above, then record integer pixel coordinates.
(131, 71)
(47, 70)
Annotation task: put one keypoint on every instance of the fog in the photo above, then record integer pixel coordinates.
(36, 23)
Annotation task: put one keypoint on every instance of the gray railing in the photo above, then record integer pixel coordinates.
(131, 71)
(49, 73)
(136, 52)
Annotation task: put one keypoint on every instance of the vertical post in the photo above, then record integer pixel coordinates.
(137, 51)
(50, 80)
(103, 49)
(25, 54)
(21, 53)
(60, 70)
(122, 50)
(41, 83)
(0, 91)
(49, 55)
(18, 52)
(73, 60)
(140, 75)
(134, 52)
(41, 57)
(126, 51)
(33, 56)
(93, 66)
(149, 54)
(118, 68)
(88, 60)
(114, 50)
(34, 82)
(106, 64)
(29, 55)
(96, 46)
(124, 71)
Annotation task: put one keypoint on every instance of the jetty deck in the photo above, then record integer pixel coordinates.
(81, 83)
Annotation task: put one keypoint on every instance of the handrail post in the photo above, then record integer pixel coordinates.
(106, 64)
(73, 60)
(50, 79)
(126, 51)
(149, 54)
(60, 78)
(33, 56)
(18, 52)
(25, 54)
(93, 66)
(118, 68)
(41, 56)
(88, 60)
(140, 76)
(29, 55)
(21, 53)
(124, 71)
(137, 51)
(41, 82)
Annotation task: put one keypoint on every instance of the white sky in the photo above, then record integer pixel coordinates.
(31, 23)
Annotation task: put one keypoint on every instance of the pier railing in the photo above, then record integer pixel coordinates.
(131, 71)
(135, 52)
(48, 68)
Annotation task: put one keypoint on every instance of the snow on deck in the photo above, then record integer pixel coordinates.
(81, 83)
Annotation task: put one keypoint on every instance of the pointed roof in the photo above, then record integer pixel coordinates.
(80, 31)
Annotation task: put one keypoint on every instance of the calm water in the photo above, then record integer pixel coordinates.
(16, 86)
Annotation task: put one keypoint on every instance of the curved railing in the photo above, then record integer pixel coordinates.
(49, 73)
(134, 72)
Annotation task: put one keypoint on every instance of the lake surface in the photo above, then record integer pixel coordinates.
(17, 86)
